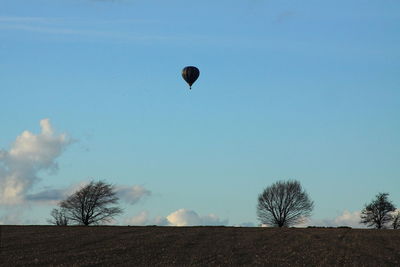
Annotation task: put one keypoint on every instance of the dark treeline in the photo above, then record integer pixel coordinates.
(282, 204)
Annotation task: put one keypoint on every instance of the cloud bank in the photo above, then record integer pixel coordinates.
(347, 218)
(181, 217)
(185, 217)
(28, 155)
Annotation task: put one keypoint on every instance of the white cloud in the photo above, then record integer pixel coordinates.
(395, 212)
(246, 224)
(185, 217)
(161, 221)
(140, 219)
(347, 218)
(132, 194)
(28, 155)
(181, 217)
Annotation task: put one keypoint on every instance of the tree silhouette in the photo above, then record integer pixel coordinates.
(58, 217)
(379, 212)
(284, 203)
(90, 204)
(396, 221)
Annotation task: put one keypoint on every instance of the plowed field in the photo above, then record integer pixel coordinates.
(196, 246)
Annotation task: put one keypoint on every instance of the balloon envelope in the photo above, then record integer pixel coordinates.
(190, 74)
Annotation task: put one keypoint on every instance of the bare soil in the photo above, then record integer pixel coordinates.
(196, 246)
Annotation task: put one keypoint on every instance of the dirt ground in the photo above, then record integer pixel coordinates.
(196, 246)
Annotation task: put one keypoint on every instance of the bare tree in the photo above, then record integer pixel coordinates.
(284, 203)
(379, 212)
(396, 220)
(90, 204)
(58, 217)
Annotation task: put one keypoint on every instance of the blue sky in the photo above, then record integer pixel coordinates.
(288, 90)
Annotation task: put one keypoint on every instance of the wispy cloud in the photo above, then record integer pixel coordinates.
(49, 195)
(85, 33)
(90, 34)
(124, 30)
(23, 19)
(112, 1)
(49, 30)
(81, 27)
(132, 194)
(73, 21)
(52, 196)
(14, 217)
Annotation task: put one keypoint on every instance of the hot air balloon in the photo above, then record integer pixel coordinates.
(190, 74)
